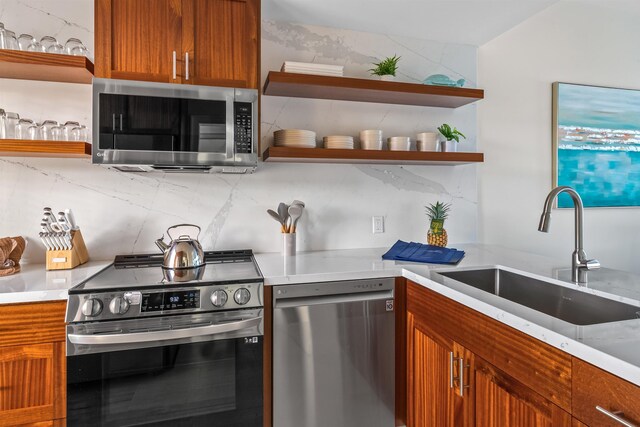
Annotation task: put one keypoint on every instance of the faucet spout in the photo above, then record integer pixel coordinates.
(579, 262)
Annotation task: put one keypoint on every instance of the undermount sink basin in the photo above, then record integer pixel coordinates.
(576, 307)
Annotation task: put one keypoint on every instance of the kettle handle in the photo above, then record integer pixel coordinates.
(182, 234)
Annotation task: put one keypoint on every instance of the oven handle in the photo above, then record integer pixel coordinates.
(170, 334)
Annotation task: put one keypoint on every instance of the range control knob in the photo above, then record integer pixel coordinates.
(242, 296)
(119, 305)
(92, 307)
(219, 298)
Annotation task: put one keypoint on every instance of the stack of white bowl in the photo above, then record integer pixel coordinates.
(427, 141)
(339, 142)
(371, 139)
(399, 143)
(297, 138)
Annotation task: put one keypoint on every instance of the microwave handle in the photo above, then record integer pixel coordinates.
(231, 133)
(164, 335)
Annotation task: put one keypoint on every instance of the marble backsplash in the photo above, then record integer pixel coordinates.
(125, 213)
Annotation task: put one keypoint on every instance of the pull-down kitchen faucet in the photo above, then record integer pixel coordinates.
(579, 262)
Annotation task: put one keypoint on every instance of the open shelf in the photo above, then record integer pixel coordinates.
(49, 67)
(29, 148)
(365, 90)
(324, 155)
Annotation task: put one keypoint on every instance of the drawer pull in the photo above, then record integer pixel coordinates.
(451, 369)
(616, 416)
(461, 368)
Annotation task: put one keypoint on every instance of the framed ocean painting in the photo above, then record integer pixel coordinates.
(596, 144)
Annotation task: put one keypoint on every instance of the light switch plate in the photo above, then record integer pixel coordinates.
(377, 223)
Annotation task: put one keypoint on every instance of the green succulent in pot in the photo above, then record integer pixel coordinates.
(386, 67)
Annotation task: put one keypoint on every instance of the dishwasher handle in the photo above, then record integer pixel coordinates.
(333, 299)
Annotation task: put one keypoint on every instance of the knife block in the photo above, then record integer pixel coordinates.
(69, 258)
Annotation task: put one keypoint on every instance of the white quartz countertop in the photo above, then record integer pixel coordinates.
(35, 284)
(613, 346)
(610, 346)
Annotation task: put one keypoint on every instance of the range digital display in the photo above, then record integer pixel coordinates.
(165, 301)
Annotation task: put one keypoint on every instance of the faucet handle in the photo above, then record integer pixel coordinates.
(592, 264)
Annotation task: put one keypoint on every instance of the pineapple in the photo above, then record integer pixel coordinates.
(437, 235)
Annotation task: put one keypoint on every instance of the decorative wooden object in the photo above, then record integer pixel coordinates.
(326, 155)
(367, 90)
(47, 67)
(32, 364)
(71, 258)
(29, 148)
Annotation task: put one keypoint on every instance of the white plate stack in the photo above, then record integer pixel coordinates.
(312, 68)
(297, 138)
(338, 142)
(371, 139)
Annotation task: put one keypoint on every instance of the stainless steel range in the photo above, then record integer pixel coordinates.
(153, 346)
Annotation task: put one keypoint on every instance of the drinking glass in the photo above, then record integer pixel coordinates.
(79, 134)
(32, 132)
(25, 40)
(67, 128)
(35, 47)
(71, 44)
(47, 41)
(79, 51)
(22, 128)
(56, 133)
(11, 120)
(3, 123)
(11, 42)
(3, 37)
(44, 129)
(55, 48)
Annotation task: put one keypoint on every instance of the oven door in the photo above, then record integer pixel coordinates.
(167, 371)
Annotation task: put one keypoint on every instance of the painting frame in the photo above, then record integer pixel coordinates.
(592, 146)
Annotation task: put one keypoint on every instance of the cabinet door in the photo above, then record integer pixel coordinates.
(431, 399)
(503, 402)
(32, 383)
(222, 40)
(136, 40)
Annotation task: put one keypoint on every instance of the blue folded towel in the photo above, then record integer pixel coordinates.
(418, 252)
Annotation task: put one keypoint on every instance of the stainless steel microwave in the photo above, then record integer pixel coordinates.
(143, 126)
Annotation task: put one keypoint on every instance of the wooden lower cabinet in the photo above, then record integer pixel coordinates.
(32, 364)
(448, 384)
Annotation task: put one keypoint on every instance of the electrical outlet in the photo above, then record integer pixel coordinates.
(377, 223)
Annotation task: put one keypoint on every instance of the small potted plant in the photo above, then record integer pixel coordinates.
(450, 135)
(386, 69)
(437, 235)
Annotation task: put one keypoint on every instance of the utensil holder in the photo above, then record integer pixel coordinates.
(69, 258)
(288, 244)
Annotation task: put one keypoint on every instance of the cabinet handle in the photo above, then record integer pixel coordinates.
(114, 122)
(186, 60)
(461, 367)
(120, 121)
(174, 65)
(617, 416)
(451, 369)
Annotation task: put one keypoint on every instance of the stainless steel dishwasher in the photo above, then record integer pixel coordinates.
(334, 354)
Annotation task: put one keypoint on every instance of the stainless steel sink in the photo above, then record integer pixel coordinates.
(576, 307)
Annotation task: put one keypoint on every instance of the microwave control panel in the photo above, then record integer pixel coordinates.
(243, 126)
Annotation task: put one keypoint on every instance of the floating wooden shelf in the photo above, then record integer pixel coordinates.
(365, 90)
(48, 67)
(324, 155)
(28, 148)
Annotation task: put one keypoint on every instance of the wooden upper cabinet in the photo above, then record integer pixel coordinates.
(221, 37)
(136, 40)
(215, 42)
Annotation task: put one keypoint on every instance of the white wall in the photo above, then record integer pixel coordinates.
(583, 42)
(124, 213)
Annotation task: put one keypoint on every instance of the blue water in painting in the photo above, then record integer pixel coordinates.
(602, 178)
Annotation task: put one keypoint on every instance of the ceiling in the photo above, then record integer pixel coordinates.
(473, 22)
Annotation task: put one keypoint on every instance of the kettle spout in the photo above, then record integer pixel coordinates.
(162, 245)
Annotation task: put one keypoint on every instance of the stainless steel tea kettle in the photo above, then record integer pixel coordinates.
(183, 251)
